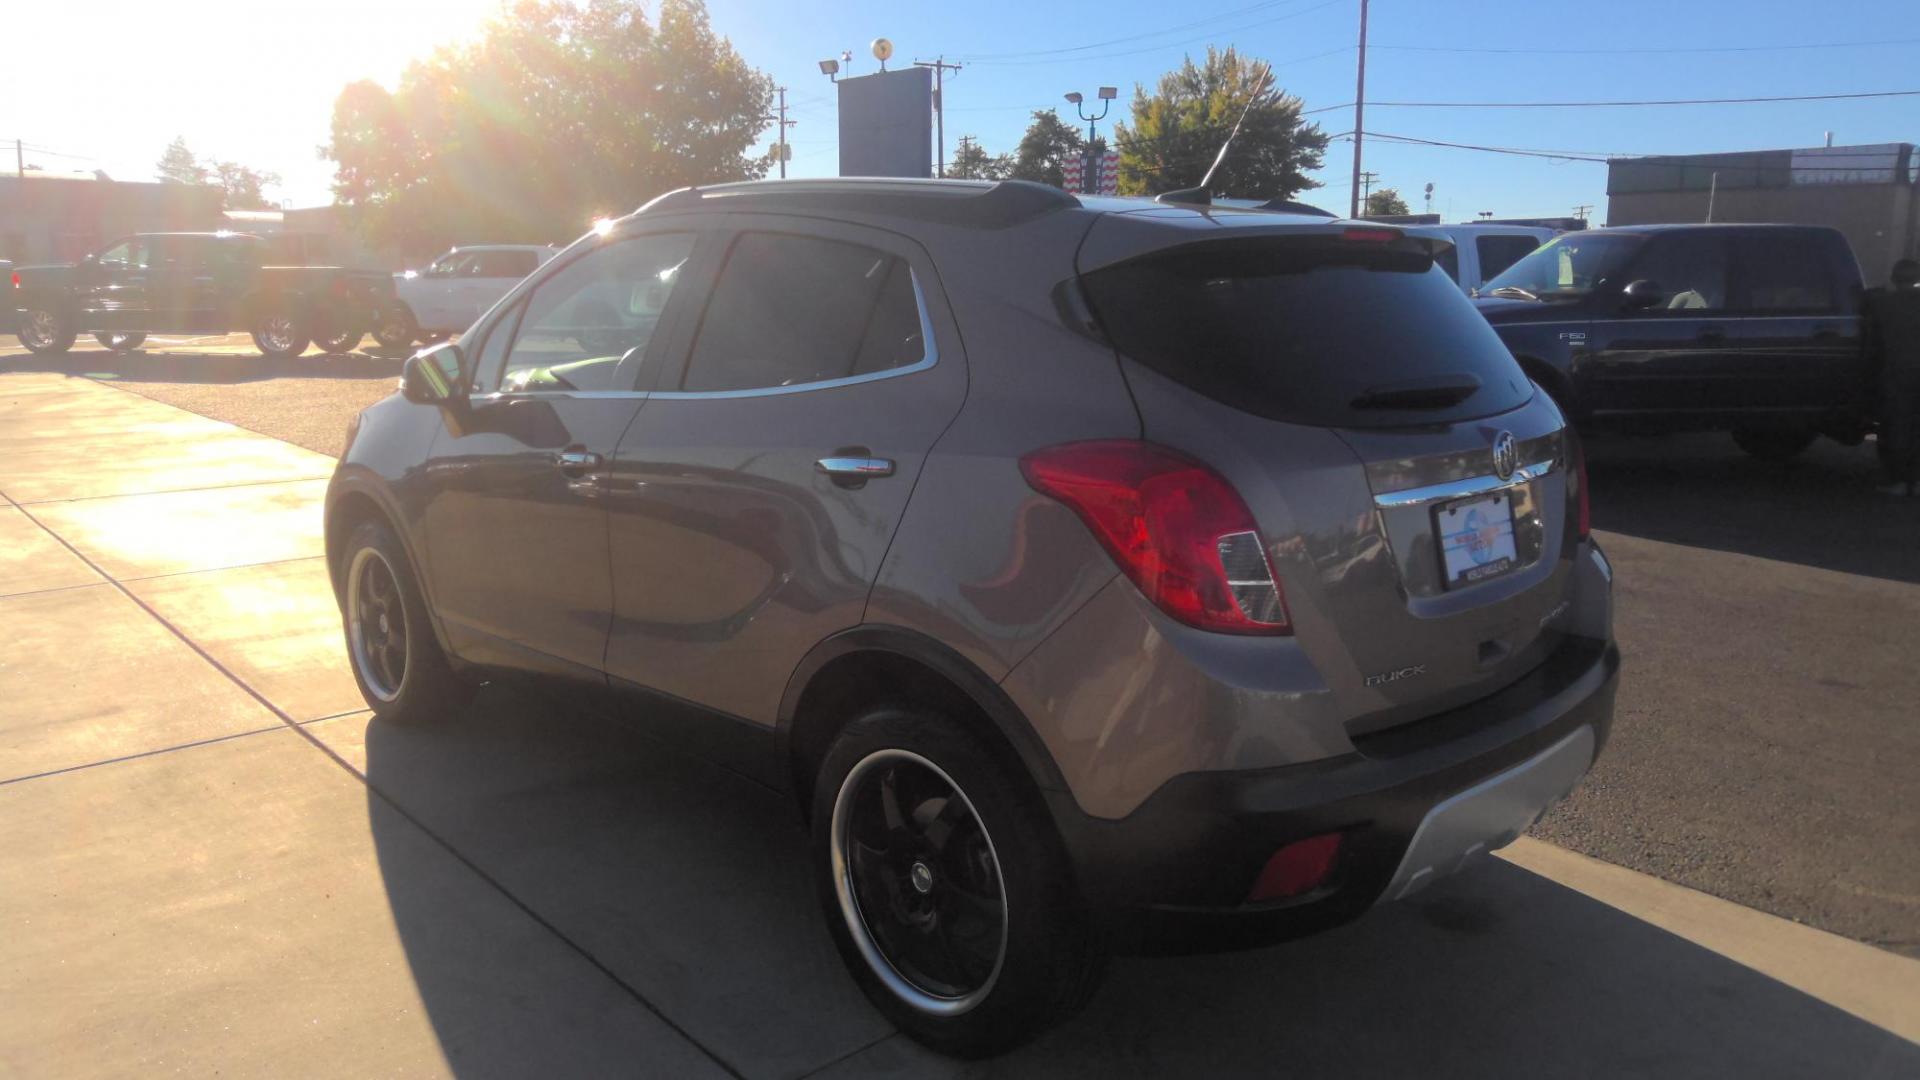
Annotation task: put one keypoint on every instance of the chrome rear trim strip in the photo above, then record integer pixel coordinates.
(1460, 489)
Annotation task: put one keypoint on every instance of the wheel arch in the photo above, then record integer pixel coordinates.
(353, 501)
(872, 664)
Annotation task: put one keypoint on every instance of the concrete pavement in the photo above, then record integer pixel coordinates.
(214, 862)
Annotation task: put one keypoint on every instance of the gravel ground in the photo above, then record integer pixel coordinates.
(1764, 748)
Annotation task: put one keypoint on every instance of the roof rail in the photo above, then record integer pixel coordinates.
(967, 203)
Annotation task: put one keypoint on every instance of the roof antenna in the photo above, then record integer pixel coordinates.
(1201, 195)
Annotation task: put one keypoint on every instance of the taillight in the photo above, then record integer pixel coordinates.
(1176, 528)
(1363, 235)
(1584, 511)
(16, 279)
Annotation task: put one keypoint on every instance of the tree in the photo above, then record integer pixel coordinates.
(1384, 202)
(241, 188)
(561, 112)
(1178, 129)
(972, 162)
(179, 166)
(1049, 141)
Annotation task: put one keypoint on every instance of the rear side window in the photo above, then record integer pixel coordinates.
(1499, 252)
(505, 264)
(1310, 331)
(789, 310)
(1784, 273)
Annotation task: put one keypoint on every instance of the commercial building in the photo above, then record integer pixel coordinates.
(1867, 192)
(56, 217)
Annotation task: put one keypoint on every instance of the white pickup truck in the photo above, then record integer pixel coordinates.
(455, 289)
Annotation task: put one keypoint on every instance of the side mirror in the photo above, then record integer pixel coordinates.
(435, 376)
(1642, 294)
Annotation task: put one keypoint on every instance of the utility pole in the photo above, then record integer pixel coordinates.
(1367, 180)
(940, 68)
(19, 161)
(1581, 210)
(1359, 114)
(784, 125)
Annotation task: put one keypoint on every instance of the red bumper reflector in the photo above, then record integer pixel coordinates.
(1298, 868)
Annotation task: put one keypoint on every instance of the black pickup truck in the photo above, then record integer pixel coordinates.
(1752, 329)
(195, 283)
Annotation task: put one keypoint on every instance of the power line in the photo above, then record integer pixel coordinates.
(1237, 12)
(1162, 45)
(1615, 104)
(1651, 52)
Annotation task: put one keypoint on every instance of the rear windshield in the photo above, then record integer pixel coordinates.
(1316, 331)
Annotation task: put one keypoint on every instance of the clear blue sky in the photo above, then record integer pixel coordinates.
(255, 82)
(992, 100)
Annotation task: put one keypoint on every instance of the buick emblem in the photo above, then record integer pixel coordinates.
(1506, 455)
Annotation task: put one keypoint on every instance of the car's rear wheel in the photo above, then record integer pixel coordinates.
(395, 328)
(391, 647)
(43, 330)
(121, 342)
(278, 334)
(1774, 444)
(945, 890)
(343, 341)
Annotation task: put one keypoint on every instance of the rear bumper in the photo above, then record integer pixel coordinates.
(1412, 804)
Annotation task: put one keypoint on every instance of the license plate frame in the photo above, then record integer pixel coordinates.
(1475, 549)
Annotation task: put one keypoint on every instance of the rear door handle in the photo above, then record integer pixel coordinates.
(577, 462)
(853, 471)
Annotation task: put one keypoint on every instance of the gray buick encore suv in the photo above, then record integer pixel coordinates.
(1095, 573)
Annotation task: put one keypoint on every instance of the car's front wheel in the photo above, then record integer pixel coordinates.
(43, 330)
(944, 887)
(121, 342)
(391, 647)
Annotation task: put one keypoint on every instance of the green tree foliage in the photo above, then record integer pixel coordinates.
(241, 188)
(1384, 202)
(561, 112)
(1177, 130)
(179, 166)
(1049, 141)
(971, 161)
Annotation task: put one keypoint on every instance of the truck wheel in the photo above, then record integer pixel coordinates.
(44, 331)
(944, 886)
(395, 327)
(344, 342)
(278, 336)
(120, 342)
(1773, 444)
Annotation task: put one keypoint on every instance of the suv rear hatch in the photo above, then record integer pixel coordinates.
(1354, 398)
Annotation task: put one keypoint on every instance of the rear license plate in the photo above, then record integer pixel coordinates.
(1476, 538)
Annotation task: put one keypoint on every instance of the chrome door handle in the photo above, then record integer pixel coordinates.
(855, 468)
(575, 462)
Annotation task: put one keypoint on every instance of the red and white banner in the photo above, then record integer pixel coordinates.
(1110, 173)
(1070, 172)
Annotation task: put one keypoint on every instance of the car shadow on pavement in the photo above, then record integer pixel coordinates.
(688, 885)
(1700, 490)
(207, 367)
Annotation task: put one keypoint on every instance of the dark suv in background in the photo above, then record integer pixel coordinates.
(1094, 573)
(1753, 329)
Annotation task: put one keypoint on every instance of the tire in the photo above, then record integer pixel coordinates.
(120, 343)
(343, 342)
(916, 911)
(417, 685)
(1778, 445)
(278, 334)
(43, 330)
(395, 326)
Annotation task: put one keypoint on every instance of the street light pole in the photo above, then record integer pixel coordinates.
(1089, 180)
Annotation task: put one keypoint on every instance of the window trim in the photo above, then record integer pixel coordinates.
(513, 307)
(930, 346)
